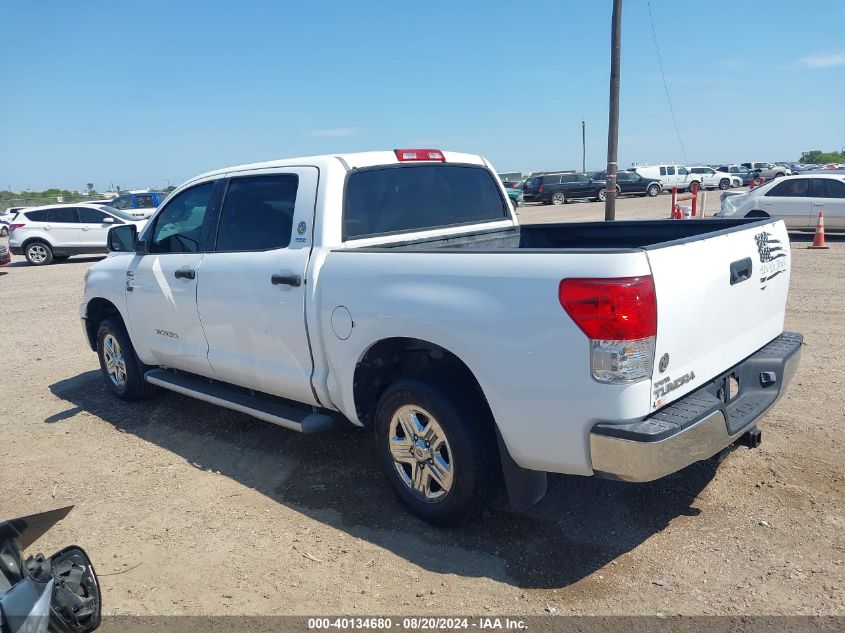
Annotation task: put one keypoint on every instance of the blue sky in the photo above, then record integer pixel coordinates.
(139, 94)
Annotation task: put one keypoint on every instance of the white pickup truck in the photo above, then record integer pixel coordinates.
(396, 291)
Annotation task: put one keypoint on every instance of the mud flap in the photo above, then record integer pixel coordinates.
(524, 487)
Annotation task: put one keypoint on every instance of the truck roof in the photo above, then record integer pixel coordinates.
(349, 161)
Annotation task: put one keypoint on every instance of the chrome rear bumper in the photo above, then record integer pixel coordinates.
(699, 425)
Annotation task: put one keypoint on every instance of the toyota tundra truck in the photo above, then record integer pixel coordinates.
(395, 290)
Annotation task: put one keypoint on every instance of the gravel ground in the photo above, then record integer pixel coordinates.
(187, 508)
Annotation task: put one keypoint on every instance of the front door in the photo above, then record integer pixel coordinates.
(161, 284)
(251, 285)
(93, 228)
(789, 200)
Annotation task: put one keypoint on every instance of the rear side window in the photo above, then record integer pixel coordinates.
(62, 215)
(828, 188)
(411, 198)
(569, 178)
(257, 213)
(791, 188)
(145, 202)
(662, 171)
(36, 216)
(554, 180)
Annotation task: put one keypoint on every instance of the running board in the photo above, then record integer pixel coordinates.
(290, 417)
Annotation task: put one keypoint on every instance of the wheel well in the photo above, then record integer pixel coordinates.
(394, 358)
(756, 214)
(30, 240)
(98, 310)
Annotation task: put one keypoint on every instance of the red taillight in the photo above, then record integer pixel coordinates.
(618, 309)
(12, 227)
(409, 155)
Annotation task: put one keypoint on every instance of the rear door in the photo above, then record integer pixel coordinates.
(790, 201)
(719, 299)
(829, 196)
(93, 228)
(251, 285)
(62, 227)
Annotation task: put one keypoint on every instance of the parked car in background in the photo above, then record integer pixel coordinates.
(139, 205)
(797, 201)
(5, 255)
(54, 233)
(565, 187)
(745, 174)
(669, 175)
(712, 179)
(533, 186)
(514, 195)
(768, 171)
(631, 183)
(6, 217)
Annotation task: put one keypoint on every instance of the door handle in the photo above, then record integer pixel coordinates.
(184, 273)
(818, 204)
(740, 270)
(286, 280)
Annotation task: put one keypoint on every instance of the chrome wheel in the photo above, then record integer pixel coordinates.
(115, 363)
(558, 198)
(37, 253)
(602, 195)
(421, 453)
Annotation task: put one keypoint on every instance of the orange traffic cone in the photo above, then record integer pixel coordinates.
(818, 240)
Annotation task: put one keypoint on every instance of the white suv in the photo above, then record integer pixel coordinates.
(54, 233)
(712, 179)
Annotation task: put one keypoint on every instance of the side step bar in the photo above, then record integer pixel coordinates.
(270, 410)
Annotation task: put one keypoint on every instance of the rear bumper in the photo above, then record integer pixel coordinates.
(16, 250)
(699, 425)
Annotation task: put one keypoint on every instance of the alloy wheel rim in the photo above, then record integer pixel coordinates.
(421, 453)
(115, 363)
(37, 253)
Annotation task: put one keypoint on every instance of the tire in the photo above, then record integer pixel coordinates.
(694, 186)
(123, 372)
(4, 231)
(467, 459)
(756, 214)
(602, 196)
(724, 183)
(780, 174)
(652, 191)
(38, 253)
(558, 198)
(514, 205)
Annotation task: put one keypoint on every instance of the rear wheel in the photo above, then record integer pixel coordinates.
(38, 253)
(437, 448)
(558, 197)
(652, 190)
(123, 372)
(756, 214)
(4, 231)
(724, 183)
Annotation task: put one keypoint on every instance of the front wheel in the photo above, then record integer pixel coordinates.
(652, 191)
(437, 448)
(724, 183)
(123, 372)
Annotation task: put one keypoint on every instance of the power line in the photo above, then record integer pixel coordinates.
(665, 86)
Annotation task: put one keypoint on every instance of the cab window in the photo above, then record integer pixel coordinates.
(178, 227)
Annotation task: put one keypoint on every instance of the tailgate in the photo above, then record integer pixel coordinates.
(720, 298)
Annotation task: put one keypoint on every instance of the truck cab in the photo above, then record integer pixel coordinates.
(140, 205)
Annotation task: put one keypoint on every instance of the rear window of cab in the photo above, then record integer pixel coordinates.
(400, 199)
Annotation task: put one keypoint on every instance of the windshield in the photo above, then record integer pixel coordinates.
(123, 215)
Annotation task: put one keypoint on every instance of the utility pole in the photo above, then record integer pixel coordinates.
(583, 146)
(613, 119)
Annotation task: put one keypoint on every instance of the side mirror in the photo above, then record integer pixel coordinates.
(122, 239)
(108, 220)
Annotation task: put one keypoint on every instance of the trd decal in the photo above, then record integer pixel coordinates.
(772, 257)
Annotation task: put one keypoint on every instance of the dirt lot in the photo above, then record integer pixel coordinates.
(187, 508)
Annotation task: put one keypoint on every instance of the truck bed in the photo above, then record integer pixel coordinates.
(580, 236)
